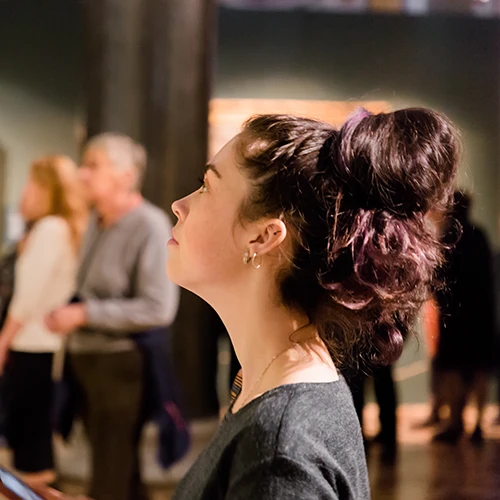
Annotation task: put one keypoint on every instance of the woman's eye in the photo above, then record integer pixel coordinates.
(203, 188)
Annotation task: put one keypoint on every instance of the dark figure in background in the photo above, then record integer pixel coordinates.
(466, 346)
(386, 396)
(496, 274)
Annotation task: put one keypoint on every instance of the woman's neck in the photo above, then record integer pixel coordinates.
(258, 337)
(273, 344)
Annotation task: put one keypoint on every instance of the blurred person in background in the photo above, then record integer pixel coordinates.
(496, 274)
(431, 327)
(312, 245)
(465, 353)
(430, 321)
(122, 289)
(55, 212)
(7, 273)
(387, 401)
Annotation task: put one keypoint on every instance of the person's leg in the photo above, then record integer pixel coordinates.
(438, 394)
(29, 382)
(385, 392)
(113, 387)
(480, 388)
(455, 389)
(436, 398)
(497, 376)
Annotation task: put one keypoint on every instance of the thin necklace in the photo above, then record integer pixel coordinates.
(259, 380)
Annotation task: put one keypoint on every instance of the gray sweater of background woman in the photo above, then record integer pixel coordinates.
(122, 280)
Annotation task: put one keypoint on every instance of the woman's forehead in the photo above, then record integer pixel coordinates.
(227, 162)
(227, 154)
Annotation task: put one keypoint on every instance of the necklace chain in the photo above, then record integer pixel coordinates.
(259, 380)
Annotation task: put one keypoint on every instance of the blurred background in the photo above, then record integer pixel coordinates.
(180, 76)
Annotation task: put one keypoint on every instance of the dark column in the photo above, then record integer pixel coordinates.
(149, 70)
(180, 37)
(114, 82)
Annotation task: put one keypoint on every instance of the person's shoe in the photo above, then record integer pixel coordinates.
(477, 436)
(449, 436)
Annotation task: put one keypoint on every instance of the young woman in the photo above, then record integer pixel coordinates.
(45, 271)
(313, 246)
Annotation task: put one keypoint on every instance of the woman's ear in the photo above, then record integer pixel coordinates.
(272, 234)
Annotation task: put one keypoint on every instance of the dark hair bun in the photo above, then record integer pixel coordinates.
(390, 170)
(401, 162)
(355, 201)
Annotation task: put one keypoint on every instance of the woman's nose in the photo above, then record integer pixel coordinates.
(179, 208)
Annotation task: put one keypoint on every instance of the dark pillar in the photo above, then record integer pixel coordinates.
(180, 38)
(149, 72)
(114, 31)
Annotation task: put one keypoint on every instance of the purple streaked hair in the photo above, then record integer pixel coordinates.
(354, 201)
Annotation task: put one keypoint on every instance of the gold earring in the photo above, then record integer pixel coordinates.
(256, 266)
(246, 256)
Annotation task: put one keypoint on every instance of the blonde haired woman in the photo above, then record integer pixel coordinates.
(55, 212)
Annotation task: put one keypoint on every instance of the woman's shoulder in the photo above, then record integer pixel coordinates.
(52, 224)
(306, 406)
(50, 230)
(312, 424)
(319, 414)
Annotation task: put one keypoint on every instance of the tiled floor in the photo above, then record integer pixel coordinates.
(422, 471)
(427, 471)
(438, 472)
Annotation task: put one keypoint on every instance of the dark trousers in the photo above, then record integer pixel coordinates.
(112, 389)
(29, 391)
(437, 395)
(385, 393)
(457, 387)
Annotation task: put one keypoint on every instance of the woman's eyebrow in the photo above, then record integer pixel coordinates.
(213, 168)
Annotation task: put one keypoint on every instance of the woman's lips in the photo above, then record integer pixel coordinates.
(172, 240)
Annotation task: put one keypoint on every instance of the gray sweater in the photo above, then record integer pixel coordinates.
(295, 442)
(122, 280)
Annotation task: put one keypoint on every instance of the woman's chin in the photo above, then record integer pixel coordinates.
(172, 273)
(176, 276)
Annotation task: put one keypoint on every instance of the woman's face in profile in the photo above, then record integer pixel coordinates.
(209, 239)
(35, 201)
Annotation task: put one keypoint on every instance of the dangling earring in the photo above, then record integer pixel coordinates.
(256, 266)
(246, 256)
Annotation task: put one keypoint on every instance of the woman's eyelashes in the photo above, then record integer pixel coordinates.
(204, 187)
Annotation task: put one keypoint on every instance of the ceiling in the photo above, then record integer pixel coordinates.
(479, 8)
